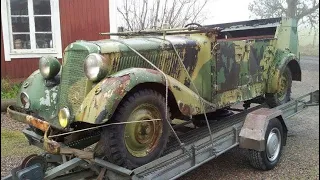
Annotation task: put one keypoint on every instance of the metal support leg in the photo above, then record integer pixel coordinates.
(60, 170)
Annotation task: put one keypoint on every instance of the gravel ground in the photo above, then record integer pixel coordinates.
(300, 159)
(9, 162)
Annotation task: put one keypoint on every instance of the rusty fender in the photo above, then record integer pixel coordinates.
(102, 101)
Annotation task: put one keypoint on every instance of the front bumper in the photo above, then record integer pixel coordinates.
(48, 145)
(43, 142)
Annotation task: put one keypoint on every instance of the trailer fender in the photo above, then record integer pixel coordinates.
(252, 134)
(102, 101)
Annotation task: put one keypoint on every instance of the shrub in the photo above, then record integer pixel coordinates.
(9, 89)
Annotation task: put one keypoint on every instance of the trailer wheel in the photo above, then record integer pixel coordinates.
(284, 92)
(269, 158)
(134, 144)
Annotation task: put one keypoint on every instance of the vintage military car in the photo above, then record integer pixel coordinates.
(132, 88)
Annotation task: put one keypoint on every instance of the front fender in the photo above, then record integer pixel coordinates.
(102, 101)
(287, 60)
(43, 98)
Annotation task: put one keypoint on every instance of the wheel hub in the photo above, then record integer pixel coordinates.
(142, 138)
(273, 144)
(144, 132)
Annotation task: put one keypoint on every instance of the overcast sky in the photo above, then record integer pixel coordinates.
(224, 11)
(217, 11)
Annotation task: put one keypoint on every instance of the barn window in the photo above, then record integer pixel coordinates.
(33, 28)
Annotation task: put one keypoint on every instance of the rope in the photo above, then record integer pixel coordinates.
(97, 127)
(200, 99)
(166, 78)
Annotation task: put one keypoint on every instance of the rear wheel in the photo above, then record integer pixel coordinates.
(283, 94)
(134, 144)
(269, 158)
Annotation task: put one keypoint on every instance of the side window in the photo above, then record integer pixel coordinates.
(20, 26)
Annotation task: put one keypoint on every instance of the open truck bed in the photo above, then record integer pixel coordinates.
(177, 160)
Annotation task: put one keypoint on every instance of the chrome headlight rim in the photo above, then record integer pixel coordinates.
(25, 97)
(95, 67)
(49, 66)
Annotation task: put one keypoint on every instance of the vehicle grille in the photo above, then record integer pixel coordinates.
(73, 80)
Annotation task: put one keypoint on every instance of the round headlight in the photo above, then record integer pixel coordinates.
(49, 66)
(25, 101)
(64, 117)
(95, 67)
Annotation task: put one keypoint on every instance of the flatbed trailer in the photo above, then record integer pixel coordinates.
(197, 147)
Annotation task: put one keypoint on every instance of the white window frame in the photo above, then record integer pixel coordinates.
(11, 53)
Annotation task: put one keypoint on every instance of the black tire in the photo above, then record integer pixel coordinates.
(260, 159)
(114, 145)
(275, 99)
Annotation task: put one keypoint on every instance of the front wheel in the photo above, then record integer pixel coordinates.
(134, 144)
(274, 139)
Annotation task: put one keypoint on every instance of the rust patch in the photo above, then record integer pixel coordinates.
(125, 80)
(51, 146)
(109, 80)
(185, 109)
(40, 124)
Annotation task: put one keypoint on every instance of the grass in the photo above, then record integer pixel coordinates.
(9, 89)
(14, 143)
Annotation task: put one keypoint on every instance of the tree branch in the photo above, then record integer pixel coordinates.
(308, 11)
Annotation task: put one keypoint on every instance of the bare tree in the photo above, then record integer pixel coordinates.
(150, 14)
(305, 11)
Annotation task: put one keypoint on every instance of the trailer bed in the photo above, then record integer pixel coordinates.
(177, 159)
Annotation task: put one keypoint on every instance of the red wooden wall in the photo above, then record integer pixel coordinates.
(80, 20)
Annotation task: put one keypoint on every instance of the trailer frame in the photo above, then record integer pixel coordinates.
(176, 161)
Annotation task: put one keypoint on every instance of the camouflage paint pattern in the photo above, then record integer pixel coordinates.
(103, 99)
(224, 71)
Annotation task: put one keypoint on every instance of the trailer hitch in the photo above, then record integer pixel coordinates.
(32, 167)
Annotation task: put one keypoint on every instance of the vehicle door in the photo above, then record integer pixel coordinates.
(232, 65)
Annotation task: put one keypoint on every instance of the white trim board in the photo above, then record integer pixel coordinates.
(33, 53)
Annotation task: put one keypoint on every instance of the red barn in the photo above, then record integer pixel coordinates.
(33, 28)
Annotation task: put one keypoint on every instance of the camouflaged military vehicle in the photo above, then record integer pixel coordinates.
(132, 88)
